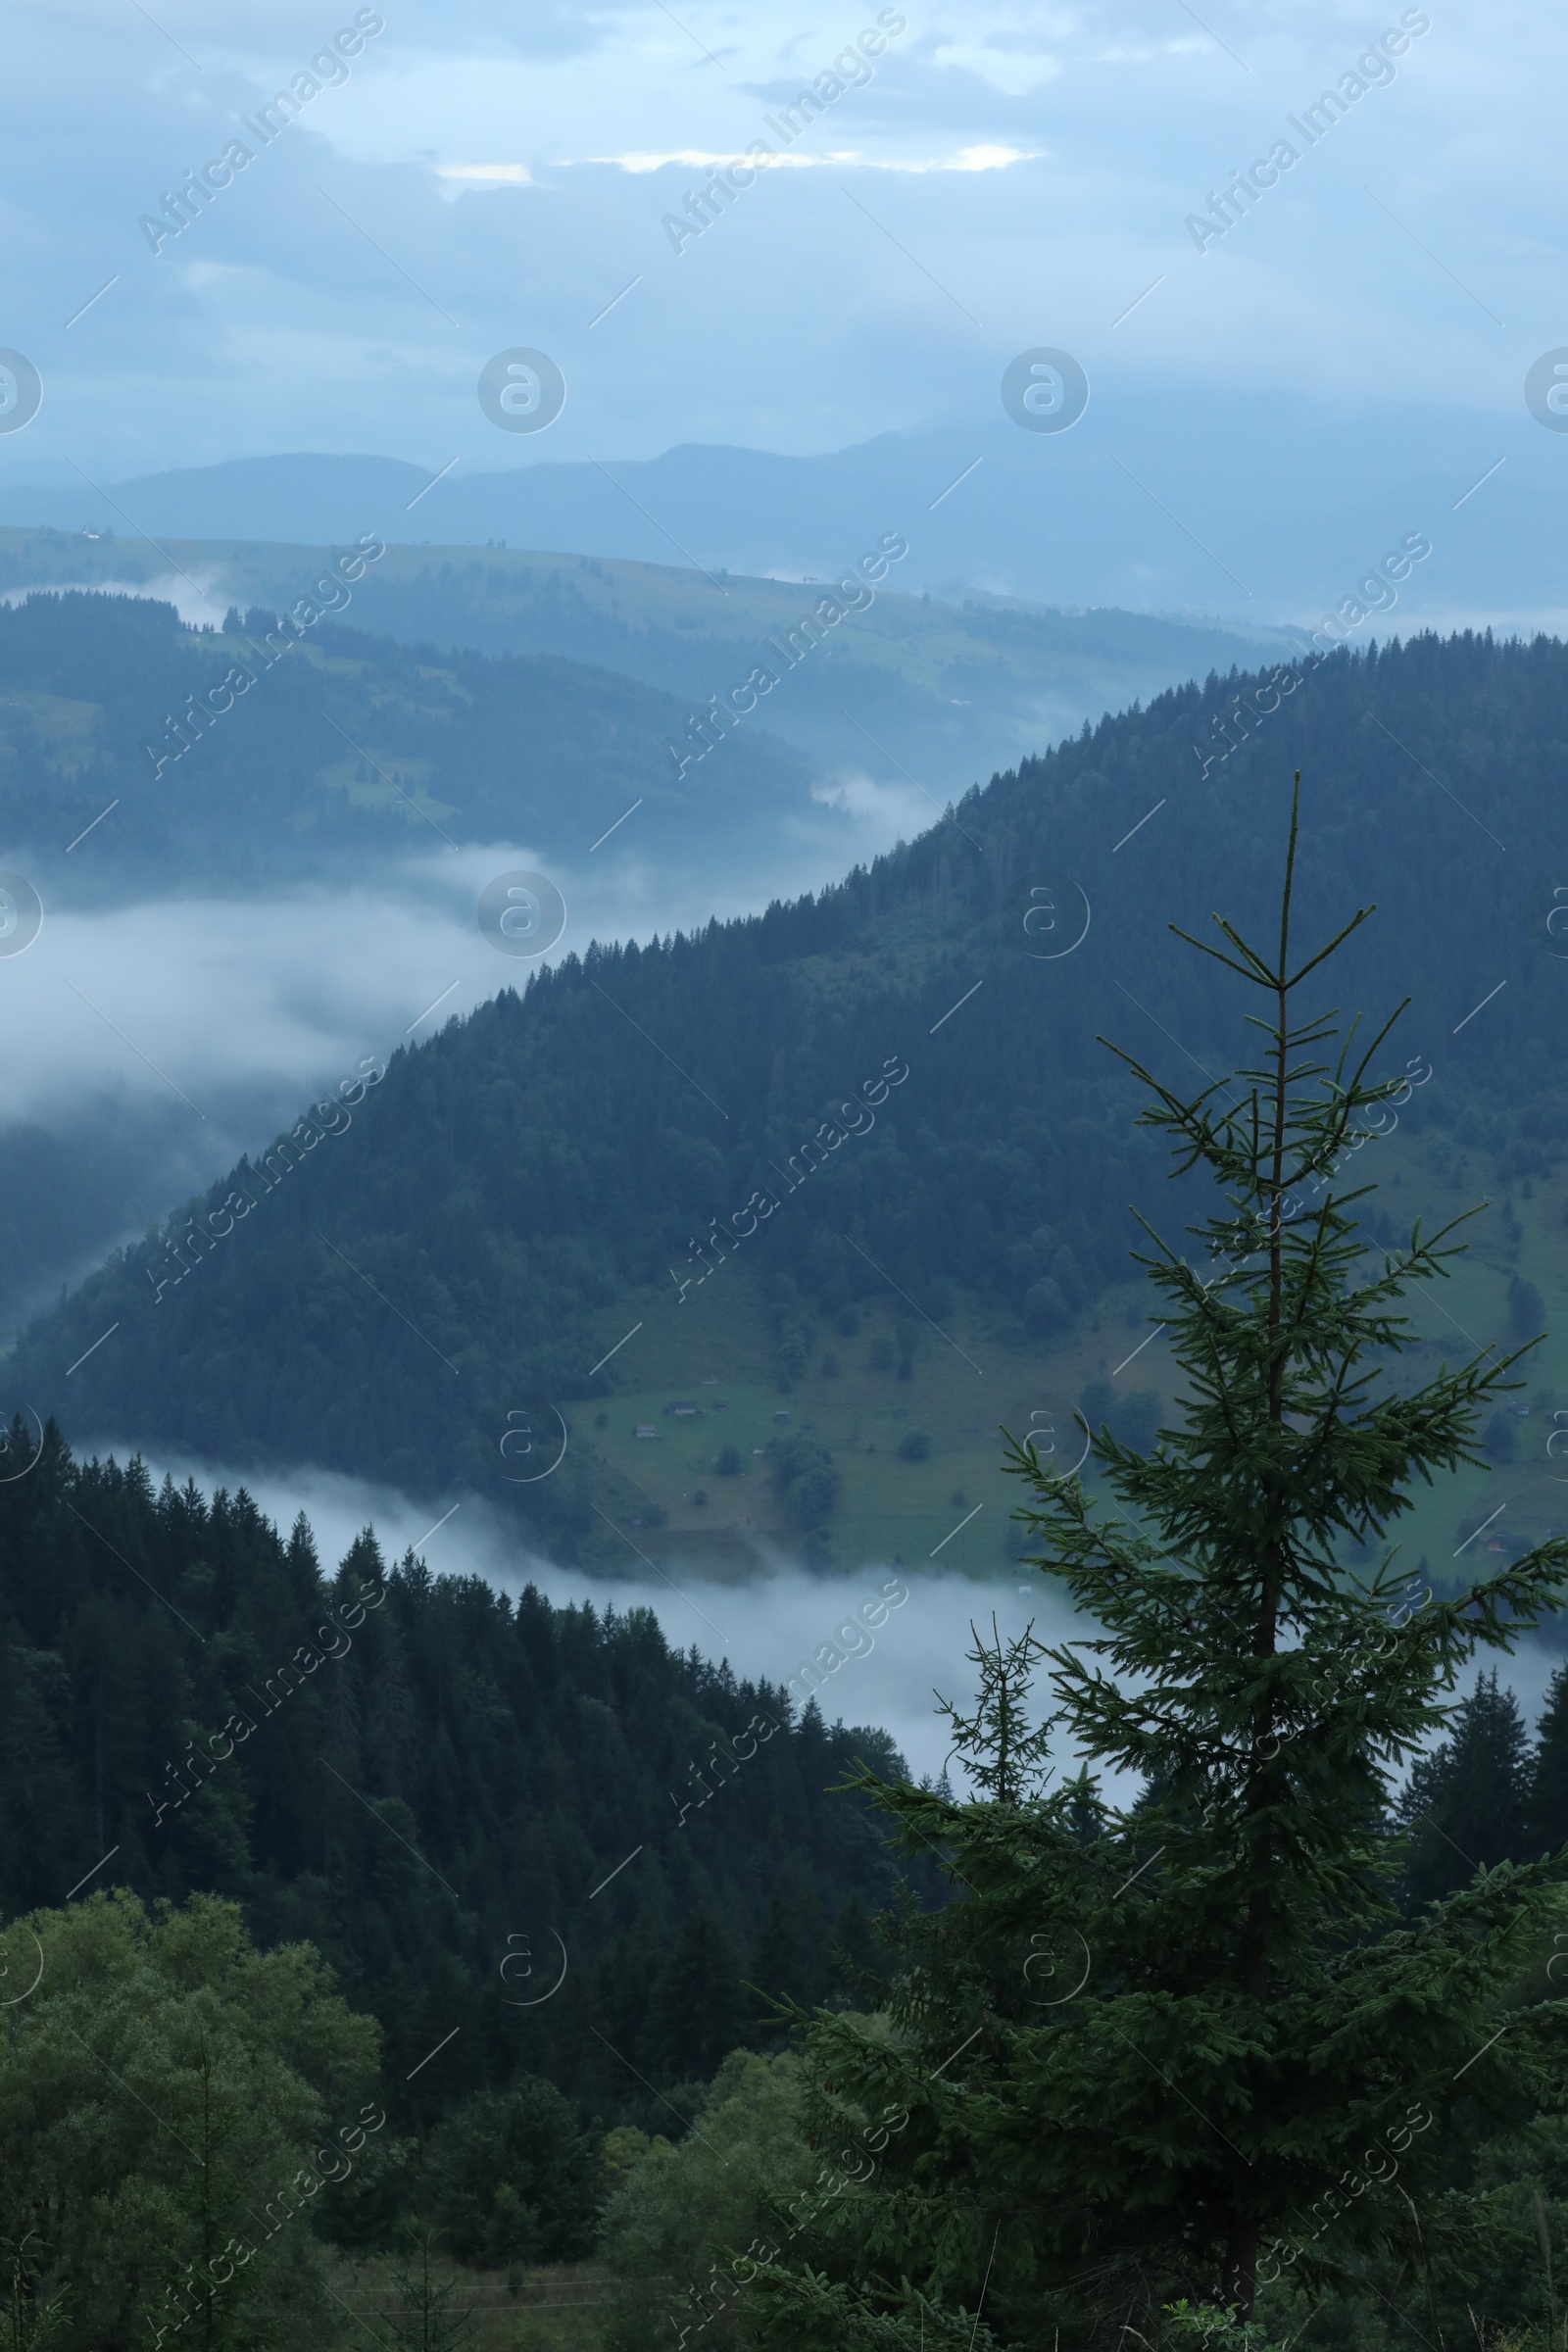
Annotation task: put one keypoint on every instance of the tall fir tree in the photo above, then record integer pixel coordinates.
(697, 2010)
(1464, 1806)
(1167, 2065)
(1546, 1806)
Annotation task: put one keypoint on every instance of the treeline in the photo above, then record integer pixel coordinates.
(961, 680)
(1489, 1793)
(539, 1838)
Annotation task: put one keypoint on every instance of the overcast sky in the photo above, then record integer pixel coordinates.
(1000, 179)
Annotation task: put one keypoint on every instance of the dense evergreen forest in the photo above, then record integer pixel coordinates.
(336, 1845)
(459, 1799)
(507, 1911)
(521, 1186)
(272, 749)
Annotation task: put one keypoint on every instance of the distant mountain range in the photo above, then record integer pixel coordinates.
(1097, 515)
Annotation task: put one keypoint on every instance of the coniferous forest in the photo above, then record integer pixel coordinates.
(1249, 2023)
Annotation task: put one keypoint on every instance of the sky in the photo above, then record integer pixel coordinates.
(996, 180)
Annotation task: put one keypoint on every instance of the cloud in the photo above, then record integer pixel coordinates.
(512, 176)
(698, 159)
(768, 1627)
(896, 812)
(198, 597)
(238, 1007)
(1034, 163)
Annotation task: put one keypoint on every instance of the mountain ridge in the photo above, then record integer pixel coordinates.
(1097, 516)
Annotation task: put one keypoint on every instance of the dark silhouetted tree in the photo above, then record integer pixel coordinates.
(1464, 1808)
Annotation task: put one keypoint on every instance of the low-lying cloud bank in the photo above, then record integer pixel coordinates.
(786, 1624)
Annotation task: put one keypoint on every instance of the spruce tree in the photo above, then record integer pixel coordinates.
(1547, 1807)
(1464, 1807)
(697, 2010)
(1167, 2064)
(787, 1963)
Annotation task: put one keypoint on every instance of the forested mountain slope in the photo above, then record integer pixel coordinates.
(534, 1182)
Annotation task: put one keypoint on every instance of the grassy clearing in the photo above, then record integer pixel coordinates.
(970, 1378)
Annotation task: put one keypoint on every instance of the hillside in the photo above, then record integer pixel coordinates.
(948, 692)
(324, 753)
(514, 1212)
